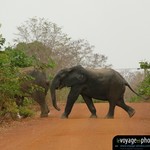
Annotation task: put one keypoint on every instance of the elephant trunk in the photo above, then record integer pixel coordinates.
(53, 88)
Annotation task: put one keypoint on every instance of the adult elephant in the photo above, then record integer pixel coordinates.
(102, 84)
(35, 87)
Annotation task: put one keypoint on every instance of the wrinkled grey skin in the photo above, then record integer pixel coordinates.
(102, 84)
(39, 94)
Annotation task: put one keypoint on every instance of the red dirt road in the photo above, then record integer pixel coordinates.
(79, 132)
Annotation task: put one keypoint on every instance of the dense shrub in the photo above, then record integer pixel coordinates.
(18, 58)
(144, 88)
(10, 61)
(25, 110)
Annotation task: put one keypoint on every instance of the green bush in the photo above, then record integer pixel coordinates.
(24, 111)
(18, 58)
(144, 88)
(9, 85)
(9, 107)
(10, 61)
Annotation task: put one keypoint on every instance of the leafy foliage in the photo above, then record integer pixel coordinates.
(25, 109)
(144, 65)
(18, 58)
(9, 85)
(144, 88)
(11, 60)
(38, 52)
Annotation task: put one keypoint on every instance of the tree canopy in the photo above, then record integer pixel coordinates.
(57, 45)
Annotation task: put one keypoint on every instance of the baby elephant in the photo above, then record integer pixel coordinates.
(36, 88)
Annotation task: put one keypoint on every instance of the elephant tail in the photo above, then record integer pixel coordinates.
(127, 84)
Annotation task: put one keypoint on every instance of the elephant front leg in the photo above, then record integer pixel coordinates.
(39, 97)
(72, 97)
(68, 108)
(44, 110)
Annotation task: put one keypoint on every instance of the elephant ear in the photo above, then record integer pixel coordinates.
(77, 78)
(81, 77)
(72, 76)
(64, 72)
(79, 74)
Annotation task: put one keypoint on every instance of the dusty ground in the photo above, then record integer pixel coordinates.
(79, 132)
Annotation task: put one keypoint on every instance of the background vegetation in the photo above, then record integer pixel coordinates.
(41, 43)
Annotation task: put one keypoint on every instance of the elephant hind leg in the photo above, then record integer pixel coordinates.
(110, 114)
(127, 108)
